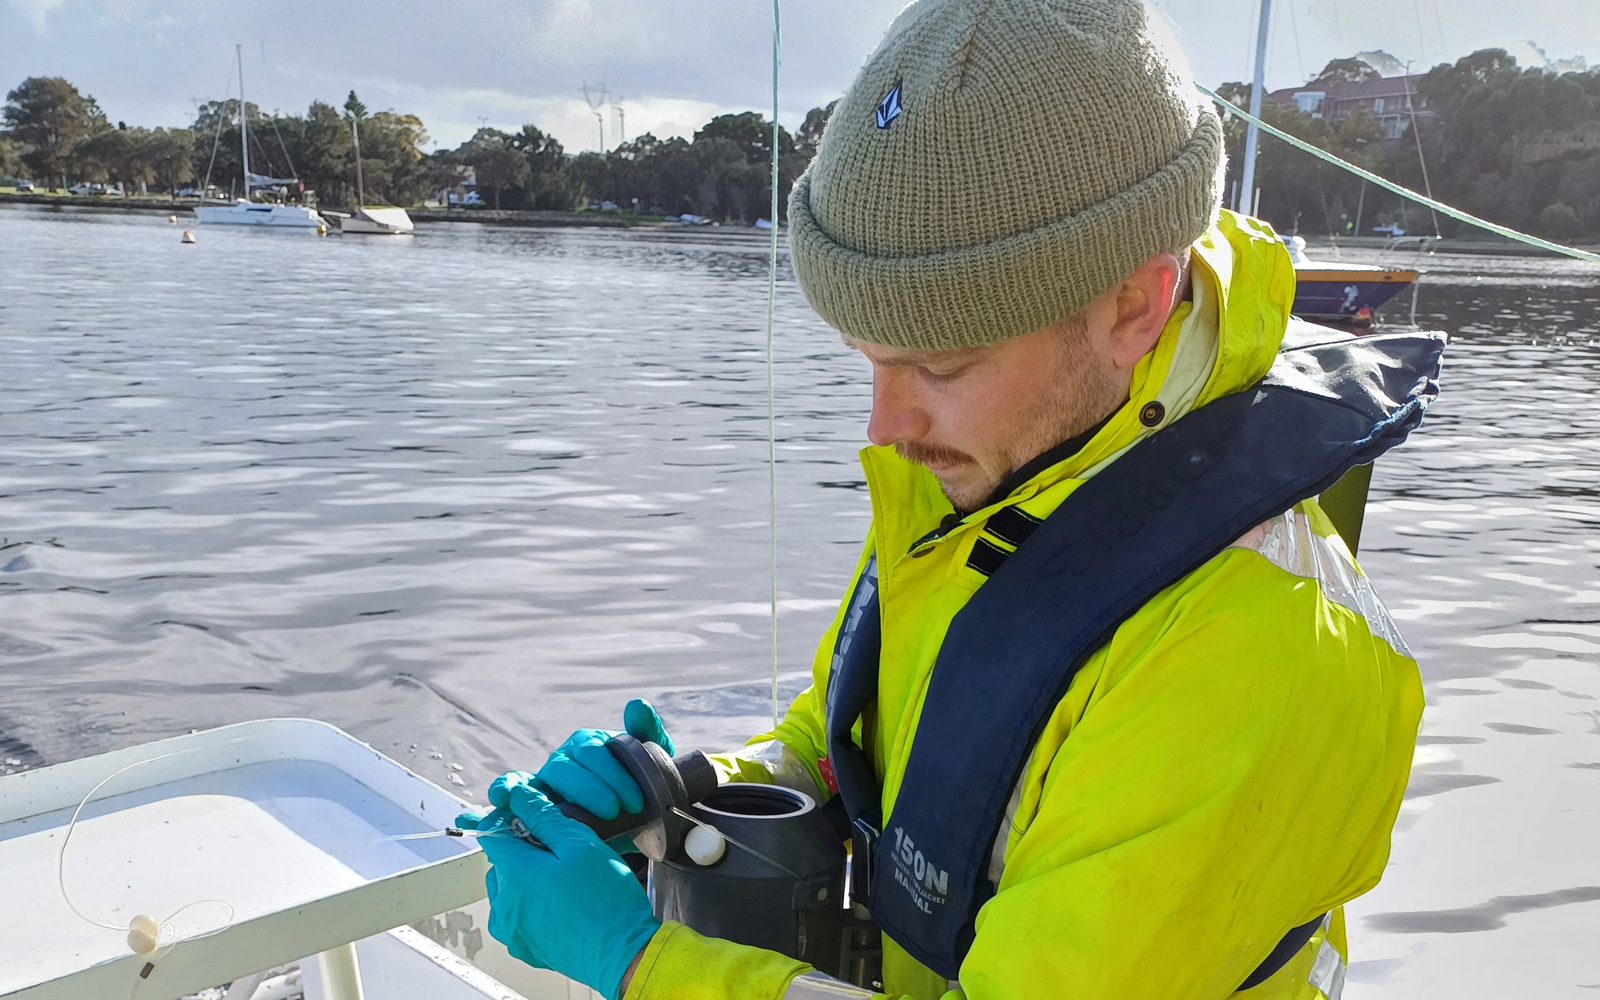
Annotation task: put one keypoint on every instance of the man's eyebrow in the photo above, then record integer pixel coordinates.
(919, 359)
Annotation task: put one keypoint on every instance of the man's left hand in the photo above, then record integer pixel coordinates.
(575, 908)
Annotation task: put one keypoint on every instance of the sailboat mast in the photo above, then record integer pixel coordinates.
(1247, 184)
(244, 135)
(355, 135)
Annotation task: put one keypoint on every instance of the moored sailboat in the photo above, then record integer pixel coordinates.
(374, 220)
(245, 212)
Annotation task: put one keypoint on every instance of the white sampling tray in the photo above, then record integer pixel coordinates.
(289, 821)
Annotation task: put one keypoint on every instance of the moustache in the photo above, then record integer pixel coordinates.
(926, 454)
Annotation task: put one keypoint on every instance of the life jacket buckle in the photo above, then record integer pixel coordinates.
(863, 842)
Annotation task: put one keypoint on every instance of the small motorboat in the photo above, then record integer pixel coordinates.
(1336, 292)
(374, 221)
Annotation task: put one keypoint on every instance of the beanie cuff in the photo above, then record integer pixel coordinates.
(1005, 288)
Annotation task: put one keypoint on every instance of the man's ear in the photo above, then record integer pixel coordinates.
(1144, 302)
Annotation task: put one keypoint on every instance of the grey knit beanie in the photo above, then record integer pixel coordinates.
(996, 166)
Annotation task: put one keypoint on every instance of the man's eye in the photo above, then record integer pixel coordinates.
(945, 374)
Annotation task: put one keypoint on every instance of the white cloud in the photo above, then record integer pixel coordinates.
(513, 61)
(36, 12)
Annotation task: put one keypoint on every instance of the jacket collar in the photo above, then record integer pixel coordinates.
(1219, 342)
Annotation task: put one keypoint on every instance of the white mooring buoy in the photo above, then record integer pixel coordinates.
(188, 236)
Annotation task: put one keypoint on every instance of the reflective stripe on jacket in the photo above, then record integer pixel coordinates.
(1237, 751)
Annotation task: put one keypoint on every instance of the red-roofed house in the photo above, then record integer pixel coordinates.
(1388, 99)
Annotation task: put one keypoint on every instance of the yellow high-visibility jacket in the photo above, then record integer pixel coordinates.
(1228, 766)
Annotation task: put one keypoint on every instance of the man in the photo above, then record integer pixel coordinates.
(1014, 217)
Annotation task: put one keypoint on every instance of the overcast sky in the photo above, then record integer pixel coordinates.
(675, 63)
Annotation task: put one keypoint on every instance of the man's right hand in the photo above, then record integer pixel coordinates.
(583, 772)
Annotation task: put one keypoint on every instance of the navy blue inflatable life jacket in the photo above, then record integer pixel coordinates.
(1160, 511)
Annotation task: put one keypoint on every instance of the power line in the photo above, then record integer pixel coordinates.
(1294, 22)
(1416, 9)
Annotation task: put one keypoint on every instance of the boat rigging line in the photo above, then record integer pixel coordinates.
(216, 140)
(1228, 107)
(772, 410)
(286, 157)
(1416, 133)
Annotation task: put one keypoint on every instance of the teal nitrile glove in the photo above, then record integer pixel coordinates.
(583, 772)
(575, 908)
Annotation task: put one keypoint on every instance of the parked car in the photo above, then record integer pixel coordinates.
(87, 189)
(24, 187)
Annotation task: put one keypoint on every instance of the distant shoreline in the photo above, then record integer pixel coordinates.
(483, 216)
(596, 220)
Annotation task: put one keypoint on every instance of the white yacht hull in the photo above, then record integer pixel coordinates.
(247, 213)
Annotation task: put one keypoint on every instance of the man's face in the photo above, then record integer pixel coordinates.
(974, 416)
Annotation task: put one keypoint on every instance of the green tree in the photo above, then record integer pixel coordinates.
(392, 164)
(1483, 143)
(169, 152)
(750, 132)
(325, 154)
(10, 155)
(1350, 70)
(215, 133)
(809, 136)
(1559, 221)
(1512, 145)
(49, 116)
(499, 165)
(547, 185)
(116, 154)
(1298, 191)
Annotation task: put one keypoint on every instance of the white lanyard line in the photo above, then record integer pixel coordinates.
(772, 412)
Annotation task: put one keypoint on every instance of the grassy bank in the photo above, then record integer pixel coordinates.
(62, 199)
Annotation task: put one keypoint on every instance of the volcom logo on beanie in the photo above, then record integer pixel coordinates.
(1086, 107)
(889, 108)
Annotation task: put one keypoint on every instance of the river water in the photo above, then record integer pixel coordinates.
(460, 493)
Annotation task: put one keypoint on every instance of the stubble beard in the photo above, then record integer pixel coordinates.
(1084, 394)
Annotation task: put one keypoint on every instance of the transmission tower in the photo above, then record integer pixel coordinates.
(596, 99)
(622, 118)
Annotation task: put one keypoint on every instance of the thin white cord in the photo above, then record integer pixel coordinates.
(743, 847)
(772, 410)
(166, 926)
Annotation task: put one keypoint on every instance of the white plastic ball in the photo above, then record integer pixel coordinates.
(704, 846)
(143, 934)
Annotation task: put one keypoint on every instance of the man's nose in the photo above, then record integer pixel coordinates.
(897, 412)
